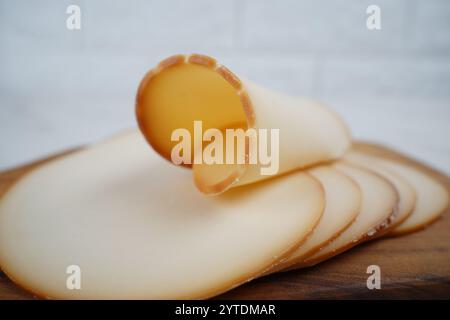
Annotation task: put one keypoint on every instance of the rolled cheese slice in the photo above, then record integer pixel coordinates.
(407, 194)
(131, 226)
(379, 204)
(432, 197)
(342, 206)
(183, 89)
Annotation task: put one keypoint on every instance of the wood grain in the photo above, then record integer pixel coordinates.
(415, 266)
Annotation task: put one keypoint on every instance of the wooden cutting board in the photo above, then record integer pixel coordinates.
(412, 266)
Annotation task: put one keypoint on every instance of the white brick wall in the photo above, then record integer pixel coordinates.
(385, 77)
(61, 88)
(322, 27)
(431, 25)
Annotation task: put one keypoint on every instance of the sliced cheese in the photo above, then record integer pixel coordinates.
(183, 89)
(379, 203)
(343, 202)
(137, 229)
(407, 194)
(431, 197)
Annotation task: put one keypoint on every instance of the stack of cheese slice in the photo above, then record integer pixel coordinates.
(135, 227)
(396, 199)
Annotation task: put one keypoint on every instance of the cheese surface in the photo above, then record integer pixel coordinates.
(137, 229)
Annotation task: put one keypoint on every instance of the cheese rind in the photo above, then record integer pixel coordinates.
(137, 228)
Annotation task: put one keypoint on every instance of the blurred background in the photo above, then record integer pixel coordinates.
(62, 88)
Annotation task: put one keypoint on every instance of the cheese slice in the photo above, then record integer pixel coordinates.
(431, 197)
(343, 202)
(129, 225)
(407, 194)
(184, 89)
(379, 203)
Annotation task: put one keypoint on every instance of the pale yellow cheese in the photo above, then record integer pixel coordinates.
(431, 196)
(342, 206)
(183, 89)
(137, 228)
(379, 203)
(407, 194)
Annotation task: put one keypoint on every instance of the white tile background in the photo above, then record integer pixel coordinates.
(61, 88)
